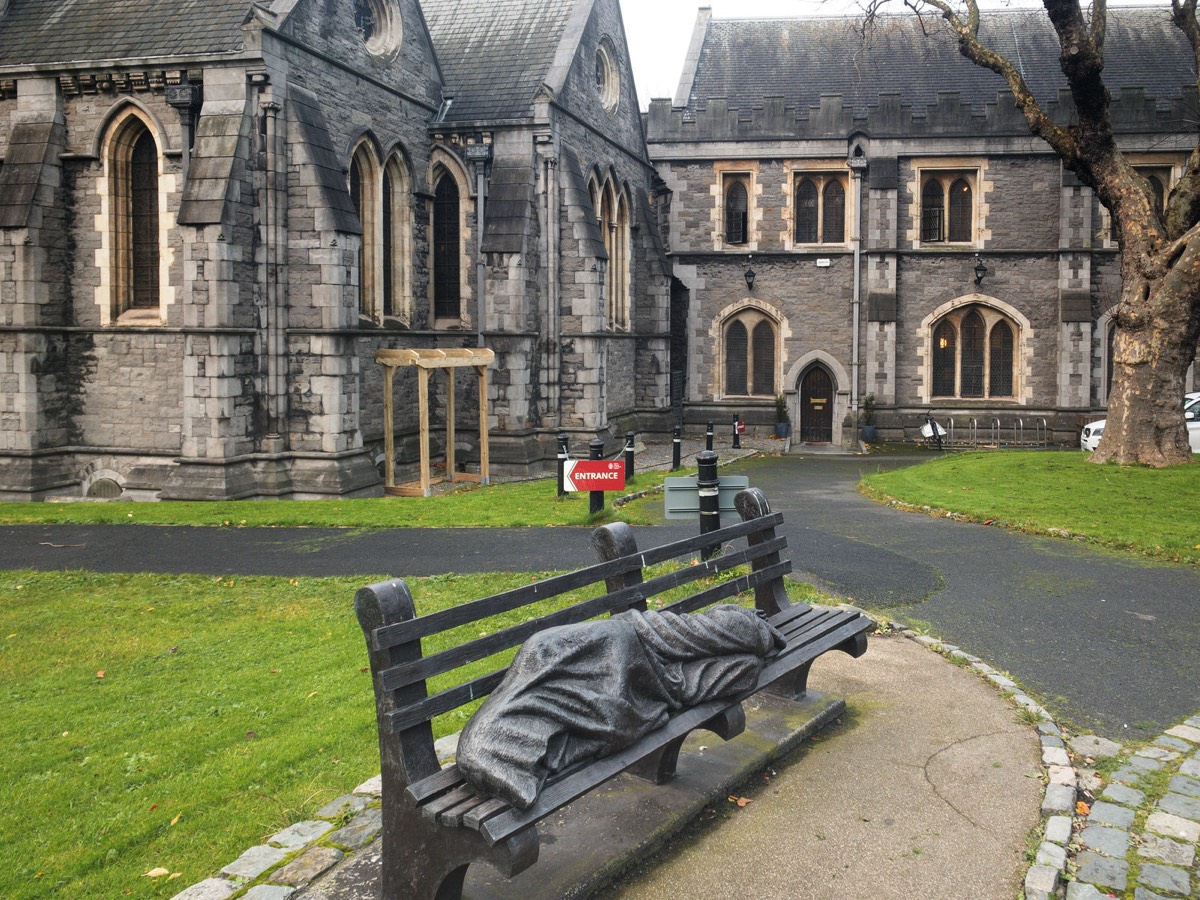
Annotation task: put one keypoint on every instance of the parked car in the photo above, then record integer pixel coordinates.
(1089, 438)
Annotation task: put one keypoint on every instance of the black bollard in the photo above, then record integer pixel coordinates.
(595, 498)
(737, 434)
(677, 449)
(563, 456)
(708, 436)
(710, 498)
(629, 456)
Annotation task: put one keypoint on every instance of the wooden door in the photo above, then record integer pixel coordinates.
(816, 406)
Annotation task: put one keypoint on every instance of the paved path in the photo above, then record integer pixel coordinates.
(1105, 641)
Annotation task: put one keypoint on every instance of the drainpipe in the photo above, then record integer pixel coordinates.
(480, 154)
(857, 165)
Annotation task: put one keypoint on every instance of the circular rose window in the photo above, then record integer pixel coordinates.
(608, 78)
(378, 22)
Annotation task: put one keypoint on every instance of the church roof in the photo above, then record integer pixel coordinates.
(493, 60)
(744, 61)
(46, 32)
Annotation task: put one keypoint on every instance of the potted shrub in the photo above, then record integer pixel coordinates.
(783, 425)
(868, 431)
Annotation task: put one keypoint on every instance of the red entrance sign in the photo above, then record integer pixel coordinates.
(594, 475)
(739, 427)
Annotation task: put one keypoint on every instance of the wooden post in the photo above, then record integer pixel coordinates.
(483, 425)
(423, 402)
(389, 437)
(450, 467)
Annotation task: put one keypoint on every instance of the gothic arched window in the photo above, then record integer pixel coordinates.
(974, 354)
(447, 250)
(750, 337)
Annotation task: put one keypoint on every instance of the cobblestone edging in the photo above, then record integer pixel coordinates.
(294, 857)
(291, 859)
(1086, 844)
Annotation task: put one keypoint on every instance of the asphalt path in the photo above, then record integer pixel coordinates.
(1106, 641)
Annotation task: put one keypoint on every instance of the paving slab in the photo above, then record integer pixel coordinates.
(927, 787)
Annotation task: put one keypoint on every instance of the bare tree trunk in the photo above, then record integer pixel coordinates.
(1155, 342)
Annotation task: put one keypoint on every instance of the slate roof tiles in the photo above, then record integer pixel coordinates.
(46, 32)
(746, 60)
(492, 60)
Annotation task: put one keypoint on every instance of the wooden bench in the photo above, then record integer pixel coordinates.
(434, 825)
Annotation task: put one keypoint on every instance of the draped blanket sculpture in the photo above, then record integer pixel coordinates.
(579, 692)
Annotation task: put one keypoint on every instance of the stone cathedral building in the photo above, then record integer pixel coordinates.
(214, 212)
(909, 239)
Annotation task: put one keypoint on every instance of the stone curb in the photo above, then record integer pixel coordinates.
(297, 855)
(1082, 854)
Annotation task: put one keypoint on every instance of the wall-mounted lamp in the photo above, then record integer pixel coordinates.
(980, 270)
(749, 274)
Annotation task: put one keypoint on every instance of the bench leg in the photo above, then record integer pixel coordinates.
(659, 767)
(792, 686)
(429, 862)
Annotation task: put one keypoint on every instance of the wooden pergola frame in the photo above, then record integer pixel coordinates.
(425, 361)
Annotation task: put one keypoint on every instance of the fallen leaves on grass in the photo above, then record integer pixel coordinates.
(158, 872)
(742, 802)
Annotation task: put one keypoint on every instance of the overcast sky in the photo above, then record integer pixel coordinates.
(659, 31)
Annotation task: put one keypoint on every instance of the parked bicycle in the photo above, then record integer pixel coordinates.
(931, 431)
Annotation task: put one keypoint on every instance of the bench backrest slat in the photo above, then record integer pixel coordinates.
(731, 588)
(618, 601)
(444, 620)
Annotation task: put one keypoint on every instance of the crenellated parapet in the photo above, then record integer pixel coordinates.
(714, 119)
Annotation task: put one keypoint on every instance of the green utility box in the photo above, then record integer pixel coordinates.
(681, 495)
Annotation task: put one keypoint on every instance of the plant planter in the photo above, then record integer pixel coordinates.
(869, 433)
(783, 429)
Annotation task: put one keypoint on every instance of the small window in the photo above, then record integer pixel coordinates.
(974, 354)
(945, 355)
(1000, 383)
(737, 212)
(364, 193)
(447, 250)
(737, 359)
(750, 338)
(820, 209)
(143, 165)
(947, 208)
(397, 230)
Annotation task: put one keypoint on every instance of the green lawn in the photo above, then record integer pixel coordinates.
(156, 721)
(174, 721)
(1155, 512)
(511, 503)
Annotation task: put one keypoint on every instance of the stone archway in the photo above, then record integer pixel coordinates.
(818, 395)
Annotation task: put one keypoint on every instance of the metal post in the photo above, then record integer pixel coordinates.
(628, 456)
(737, 435)
(595, 498)
(563, 456)
(708, 436)
(677, 449)
(710, 498)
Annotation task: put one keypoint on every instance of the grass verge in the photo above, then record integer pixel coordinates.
(172, 721)
(1148, 511)
(516, 503)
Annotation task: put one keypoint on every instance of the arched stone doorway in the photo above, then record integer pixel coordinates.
(817, 393)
